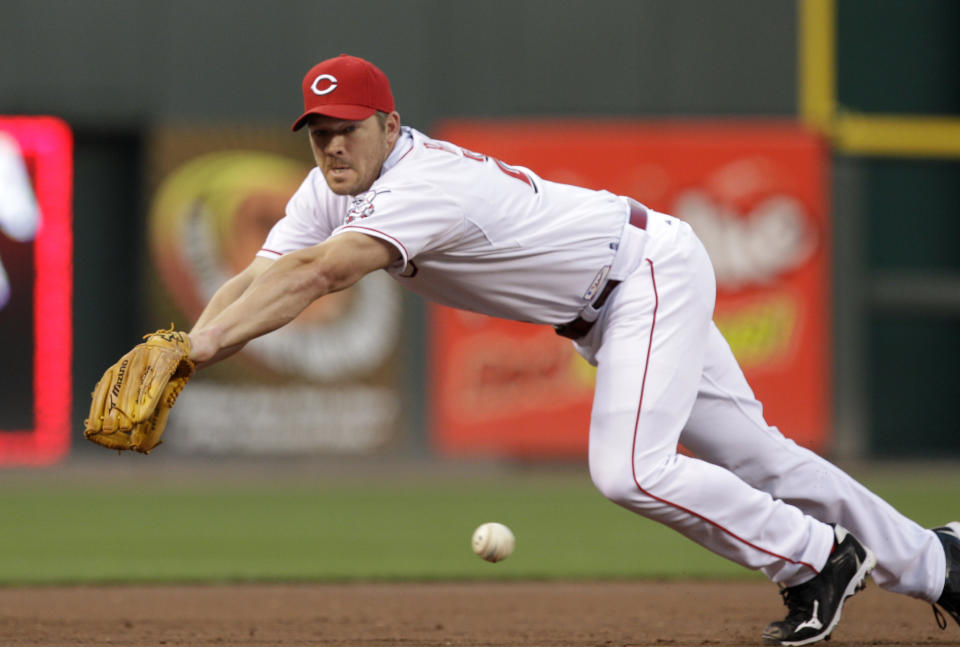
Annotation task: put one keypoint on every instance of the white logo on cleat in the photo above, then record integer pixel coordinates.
(814, 622)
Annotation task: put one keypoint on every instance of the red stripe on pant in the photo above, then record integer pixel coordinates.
(633, 451)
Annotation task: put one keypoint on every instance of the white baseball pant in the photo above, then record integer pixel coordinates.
(666, 375)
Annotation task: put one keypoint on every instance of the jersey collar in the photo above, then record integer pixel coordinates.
(400, 149)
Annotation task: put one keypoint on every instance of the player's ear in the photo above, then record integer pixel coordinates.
(392, 124)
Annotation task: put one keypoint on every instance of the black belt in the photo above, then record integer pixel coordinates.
(579, 327)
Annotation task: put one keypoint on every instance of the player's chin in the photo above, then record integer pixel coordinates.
(343, 182)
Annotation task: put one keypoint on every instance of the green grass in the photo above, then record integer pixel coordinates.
(418, 529)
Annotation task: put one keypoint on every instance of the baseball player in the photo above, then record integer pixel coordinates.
(634, 290)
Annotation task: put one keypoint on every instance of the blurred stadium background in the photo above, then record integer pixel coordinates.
(171, 120)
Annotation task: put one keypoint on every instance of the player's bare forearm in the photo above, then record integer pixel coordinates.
(220, 355)
(224, 296)
(231, 291)
(273, 299)
(282, 291)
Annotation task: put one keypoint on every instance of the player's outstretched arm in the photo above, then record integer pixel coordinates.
(232, 289)
(224, 296)
(283, 289)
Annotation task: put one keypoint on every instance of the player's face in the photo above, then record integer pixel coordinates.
(351, 153)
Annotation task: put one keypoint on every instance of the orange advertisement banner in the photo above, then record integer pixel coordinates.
(755, 192)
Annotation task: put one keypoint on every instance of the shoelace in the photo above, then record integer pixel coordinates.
(798, 604)
(939, 617)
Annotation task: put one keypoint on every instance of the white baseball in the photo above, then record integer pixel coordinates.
(493, 541)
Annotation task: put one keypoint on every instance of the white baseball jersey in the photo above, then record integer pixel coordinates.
(472, 232)
(477, 234)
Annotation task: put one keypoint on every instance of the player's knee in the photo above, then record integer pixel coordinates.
(629, 483)
(613, 482)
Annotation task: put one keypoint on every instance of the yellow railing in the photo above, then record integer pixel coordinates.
(858, 134)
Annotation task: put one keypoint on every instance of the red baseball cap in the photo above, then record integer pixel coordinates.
(345, 87)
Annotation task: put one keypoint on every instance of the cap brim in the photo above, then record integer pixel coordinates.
(352, 113)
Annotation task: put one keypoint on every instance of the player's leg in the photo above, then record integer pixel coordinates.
(655, 332)
(726, 427)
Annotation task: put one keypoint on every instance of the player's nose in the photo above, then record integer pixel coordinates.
(335, 146)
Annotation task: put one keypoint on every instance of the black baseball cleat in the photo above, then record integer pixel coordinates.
(949, 601)
(814, 607)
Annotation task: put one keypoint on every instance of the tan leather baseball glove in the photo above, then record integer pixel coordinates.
(132, 400)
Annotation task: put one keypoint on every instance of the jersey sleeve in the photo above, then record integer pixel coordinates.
(416, 219)
(308, 220)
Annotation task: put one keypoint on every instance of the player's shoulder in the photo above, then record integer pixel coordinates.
(419, 181)
(435, 149)
(423, 162)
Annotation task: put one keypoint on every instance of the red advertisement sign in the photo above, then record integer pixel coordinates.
(756, 194)
(36, 277)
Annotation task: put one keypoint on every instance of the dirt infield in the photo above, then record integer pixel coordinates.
(490, 614)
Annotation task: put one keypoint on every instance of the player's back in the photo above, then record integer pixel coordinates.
(536, 246)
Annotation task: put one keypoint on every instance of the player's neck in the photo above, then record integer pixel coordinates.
(400, 148)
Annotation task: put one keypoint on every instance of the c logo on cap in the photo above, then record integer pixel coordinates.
(327, 90)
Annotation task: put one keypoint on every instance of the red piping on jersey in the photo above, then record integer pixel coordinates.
(264, 249)
(633, 450)
(405, 154)
(387, 236)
